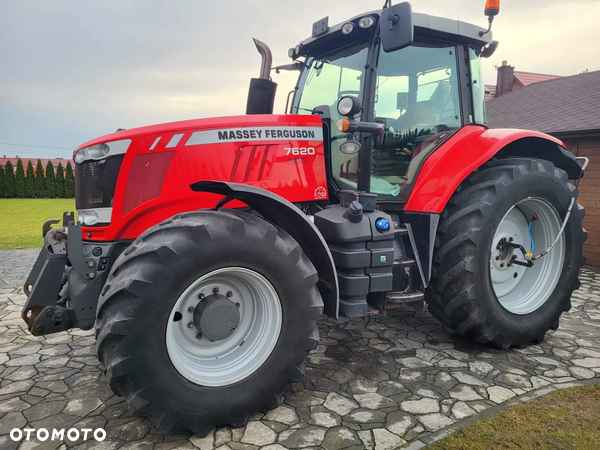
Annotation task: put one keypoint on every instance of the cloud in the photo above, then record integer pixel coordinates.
(73, 70)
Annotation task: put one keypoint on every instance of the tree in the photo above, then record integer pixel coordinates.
(69, 181)
(60, 181)
(40, 180)
(20, 180)
(9, 180)
(50, 181)
(29, 181)
(2, 192)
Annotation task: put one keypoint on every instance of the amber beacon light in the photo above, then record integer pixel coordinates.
(492, 8)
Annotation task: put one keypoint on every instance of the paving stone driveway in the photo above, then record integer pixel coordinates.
(376, 383)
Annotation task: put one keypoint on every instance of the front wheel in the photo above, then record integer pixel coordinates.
(206, 318)
(477, 286)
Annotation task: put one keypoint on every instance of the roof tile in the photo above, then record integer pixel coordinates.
(562, 104)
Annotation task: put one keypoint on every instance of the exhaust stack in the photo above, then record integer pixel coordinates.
(261, 95)
(267, 58)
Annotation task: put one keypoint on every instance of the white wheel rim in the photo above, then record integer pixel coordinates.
(521, 290)
(238, 356)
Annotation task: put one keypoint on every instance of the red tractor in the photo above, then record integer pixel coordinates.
(205, 250)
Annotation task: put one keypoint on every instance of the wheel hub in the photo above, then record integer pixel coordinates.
(216, 317)
(522, 290)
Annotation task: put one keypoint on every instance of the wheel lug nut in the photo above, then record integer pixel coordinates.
(201, 296)
(510, 239)
(237, 304)
(216, 290)
(190, 325)
(199, 336)
(191, 309)
(229, 294)
(497, 258)
(502, 265)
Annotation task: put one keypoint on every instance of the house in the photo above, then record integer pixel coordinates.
(55, 162)
(567, 108)
(510, 80)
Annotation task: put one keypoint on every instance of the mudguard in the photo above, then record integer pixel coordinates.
(284, 214)
(470, 147)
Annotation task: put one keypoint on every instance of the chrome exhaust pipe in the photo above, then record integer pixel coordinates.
(267, 59)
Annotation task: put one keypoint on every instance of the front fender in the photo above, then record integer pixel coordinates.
(469, 148)
(284, 214)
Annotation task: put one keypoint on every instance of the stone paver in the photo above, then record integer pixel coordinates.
(376, 383)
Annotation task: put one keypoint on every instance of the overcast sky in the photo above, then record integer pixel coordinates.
(72, 70)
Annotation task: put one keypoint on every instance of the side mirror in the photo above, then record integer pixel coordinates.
(402, 100)
(397, 30)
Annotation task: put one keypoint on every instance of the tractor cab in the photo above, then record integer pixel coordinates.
(416, 87)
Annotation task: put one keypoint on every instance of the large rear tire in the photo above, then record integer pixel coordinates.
(206, 318)
(474, 290)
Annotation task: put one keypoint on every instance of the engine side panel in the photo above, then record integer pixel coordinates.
(457, 158)
(282, 154)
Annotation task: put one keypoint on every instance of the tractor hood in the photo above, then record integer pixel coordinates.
(132, 179)
(246, 128)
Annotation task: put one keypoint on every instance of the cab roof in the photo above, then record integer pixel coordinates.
(426, 27)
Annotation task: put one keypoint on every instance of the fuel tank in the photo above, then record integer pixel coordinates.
(133, 179)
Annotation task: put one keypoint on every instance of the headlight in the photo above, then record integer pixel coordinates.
(98, 151)
(349, 106)
(87, 217)
(79, 156)
(347, 28)
(366, 22)
(350, 147)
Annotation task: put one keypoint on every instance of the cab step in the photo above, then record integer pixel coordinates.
(400, 229)
(404, 262)
(404, 297)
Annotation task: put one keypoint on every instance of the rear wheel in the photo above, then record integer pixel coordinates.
(206, 318)
(476, 288)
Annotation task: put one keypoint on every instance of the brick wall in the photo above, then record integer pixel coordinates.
(589, 194)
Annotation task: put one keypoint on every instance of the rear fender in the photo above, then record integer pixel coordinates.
(284, 214)
(468, 149)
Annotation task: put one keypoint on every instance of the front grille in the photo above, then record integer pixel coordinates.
(95, 182)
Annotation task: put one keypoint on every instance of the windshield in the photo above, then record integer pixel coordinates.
(324, 81)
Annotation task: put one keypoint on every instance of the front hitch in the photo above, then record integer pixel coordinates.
(65, 283)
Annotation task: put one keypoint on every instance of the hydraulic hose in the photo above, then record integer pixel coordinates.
(584, 165)
(562, 228)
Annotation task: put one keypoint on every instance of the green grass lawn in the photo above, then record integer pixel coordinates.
(565, 419)
(21, 220)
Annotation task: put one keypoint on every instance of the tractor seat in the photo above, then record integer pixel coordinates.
(422, 113)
